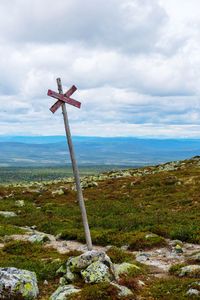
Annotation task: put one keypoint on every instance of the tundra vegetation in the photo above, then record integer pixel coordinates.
(129, 211)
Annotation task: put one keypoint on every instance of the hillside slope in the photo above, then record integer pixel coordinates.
(137, 209)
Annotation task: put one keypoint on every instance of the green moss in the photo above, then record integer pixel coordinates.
(183, 233)
(10, 230)
(27, 288)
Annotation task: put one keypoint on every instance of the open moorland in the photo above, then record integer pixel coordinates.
(148, 217)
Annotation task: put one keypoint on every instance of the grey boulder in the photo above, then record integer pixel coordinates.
(76, 264)
(97, 272)
(16, 283)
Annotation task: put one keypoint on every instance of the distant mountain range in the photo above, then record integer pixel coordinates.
(124, 151)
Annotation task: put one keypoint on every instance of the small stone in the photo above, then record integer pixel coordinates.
(62, 281)
(190, 271)
(141, 283)
(8, 214)
(125, 247)
(58, 192)
(63, 292)
(141, 257)
(178, 249)
(19, 203)
(193, 292)
(38, 238)
(123, 290)
(33, 227)
(150, 235)
(45, 282)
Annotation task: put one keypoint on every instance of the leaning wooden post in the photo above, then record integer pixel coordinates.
(73, 160)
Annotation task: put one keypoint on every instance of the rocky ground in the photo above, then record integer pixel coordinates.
(152, 251)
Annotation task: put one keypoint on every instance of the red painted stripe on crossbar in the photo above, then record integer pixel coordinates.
(56, 105)
(59, 103)
(64, 99)
(70, 91)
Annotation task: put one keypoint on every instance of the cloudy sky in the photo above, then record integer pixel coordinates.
(136, 64)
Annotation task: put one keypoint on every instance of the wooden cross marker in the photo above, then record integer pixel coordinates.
(62, 99)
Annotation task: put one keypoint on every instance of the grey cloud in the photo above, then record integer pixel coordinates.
(135, 71)
(125, 25)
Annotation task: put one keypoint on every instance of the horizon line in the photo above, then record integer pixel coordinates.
(101, 137)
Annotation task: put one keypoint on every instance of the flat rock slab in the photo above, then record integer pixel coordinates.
(190, 271)
(64, 292)
(163, 258)
(67, 246)
(123, 291)
(8, 214)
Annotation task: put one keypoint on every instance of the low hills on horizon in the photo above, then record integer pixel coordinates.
(47, 151)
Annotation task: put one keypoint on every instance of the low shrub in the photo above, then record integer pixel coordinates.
(168, 289)
(119, 256)
(142, 240)
(101, 291)
(129, 282)
(175, 269)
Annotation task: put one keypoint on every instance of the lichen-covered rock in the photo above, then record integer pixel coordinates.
(58, 192)
(18, 283)
(61, 270)
(97, 272)
(124, 268)
(8, 214)
(64, 292)
(190, 271)
(69, 276)
(123, 291)
(82, 261)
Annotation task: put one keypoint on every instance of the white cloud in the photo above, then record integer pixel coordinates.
(136, 64)
(129, 25)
